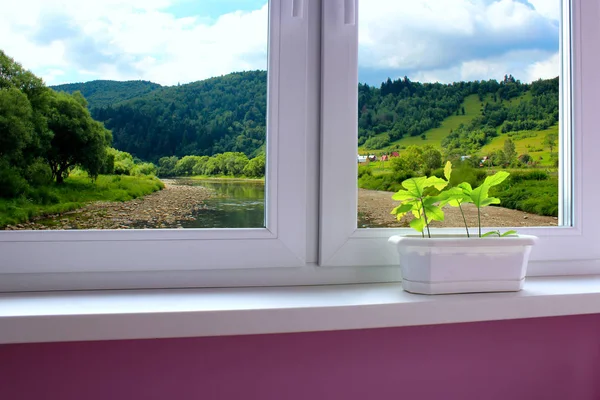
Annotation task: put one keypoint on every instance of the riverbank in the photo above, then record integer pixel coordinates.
(163, 209)
(374, 208)
(222, 178)
(77, 191)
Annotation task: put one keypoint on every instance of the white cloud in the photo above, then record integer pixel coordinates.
(132, 39)
(450, 40)
(445, 40)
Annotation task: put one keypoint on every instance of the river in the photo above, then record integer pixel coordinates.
(234, 204)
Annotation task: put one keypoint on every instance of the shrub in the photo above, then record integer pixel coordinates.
(144, 169)
(12, 184)
(38, 173)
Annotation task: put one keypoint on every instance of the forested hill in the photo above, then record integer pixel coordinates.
(108, 93)
(216, 115)
(227, 113)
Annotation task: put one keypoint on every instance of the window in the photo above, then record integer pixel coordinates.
(343, 244)
(35, 259)
(311, 234)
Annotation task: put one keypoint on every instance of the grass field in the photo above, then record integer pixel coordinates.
(73, 194)
(529, 142)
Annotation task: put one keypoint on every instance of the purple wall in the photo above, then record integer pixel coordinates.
(549, 358)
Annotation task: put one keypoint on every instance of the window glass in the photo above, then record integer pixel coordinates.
(471, 82)
(103, 104)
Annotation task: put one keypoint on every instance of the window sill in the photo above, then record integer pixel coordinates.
(144, 314)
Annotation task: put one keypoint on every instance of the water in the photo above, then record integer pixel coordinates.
(235, 204)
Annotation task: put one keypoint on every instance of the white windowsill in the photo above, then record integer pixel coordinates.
(144, 314)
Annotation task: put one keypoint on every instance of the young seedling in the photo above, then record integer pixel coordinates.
(491, 233)
(454, 196)
(422, 205)
(413, 198)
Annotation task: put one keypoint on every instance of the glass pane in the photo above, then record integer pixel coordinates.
(103, 104)
(471, 82)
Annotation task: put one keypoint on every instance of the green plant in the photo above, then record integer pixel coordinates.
(425, 196)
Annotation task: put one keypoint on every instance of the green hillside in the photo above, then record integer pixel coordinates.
(108, 93)
(479, 124)
(216, 115)
(434, 136)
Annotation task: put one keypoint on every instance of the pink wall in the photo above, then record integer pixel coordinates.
(550, 358)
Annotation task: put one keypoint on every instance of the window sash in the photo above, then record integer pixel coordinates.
(566, 249)
(282, 244)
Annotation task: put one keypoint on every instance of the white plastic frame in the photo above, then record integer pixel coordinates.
(570, 249)
(34, 260)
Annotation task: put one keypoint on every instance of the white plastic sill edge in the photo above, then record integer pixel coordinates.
(145, 314)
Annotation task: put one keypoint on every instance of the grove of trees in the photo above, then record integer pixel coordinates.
(44, 134)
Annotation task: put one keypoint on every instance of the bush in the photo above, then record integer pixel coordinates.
(377, 142)
(144, 169)
(12, 184)
(38, 174)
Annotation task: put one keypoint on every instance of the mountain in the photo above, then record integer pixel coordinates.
(228, 113)
(108, 93)
(225, 113)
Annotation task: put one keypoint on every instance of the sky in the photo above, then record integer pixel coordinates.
(180, 41)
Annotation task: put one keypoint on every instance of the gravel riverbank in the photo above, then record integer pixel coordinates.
(166, 208)
(374, 211)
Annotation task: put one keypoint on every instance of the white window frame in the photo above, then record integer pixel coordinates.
(311, 235)
(48, 260)
(571, 249)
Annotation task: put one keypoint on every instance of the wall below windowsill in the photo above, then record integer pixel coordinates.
(141, 314)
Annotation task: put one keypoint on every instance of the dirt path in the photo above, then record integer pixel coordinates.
(374, 211)
(166, 208)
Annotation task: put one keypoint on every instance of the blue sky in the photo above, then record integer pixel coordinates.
(179, 41)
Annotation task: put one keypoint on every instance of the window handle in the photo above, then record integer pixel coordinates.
(297, 8)
(349, 12)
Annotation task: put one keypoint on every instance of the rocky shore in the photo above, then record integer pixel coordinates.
(167, 208)
(374, 211)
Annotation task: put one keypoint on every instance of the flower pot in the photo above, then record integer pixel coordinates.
(457, 264)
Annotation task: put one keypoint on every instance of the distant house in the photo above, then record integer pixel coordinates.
(361, 159)
(395, 154)
(384, 157)
(372, 157)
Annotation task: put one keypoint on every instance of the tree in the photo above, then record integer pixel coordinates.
(166, 166)
(78, 140)
(431, 158)
(16, 126)
(509, 151)
(255, 167)
(550, 141)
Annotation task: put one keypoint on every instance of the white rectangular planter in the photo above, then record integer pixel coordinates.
(457, 264)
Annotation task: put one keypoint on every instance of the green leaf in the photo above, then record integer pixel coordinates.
(453, 196)
(436, 182)
(496, 179)
(448, 170)
(479, 194)
(418, 224)
(508, 233)
(401, 210)
(491, 233)
(415, 186)
(403, 195)
(490, 200)
(466, 188)
(434, 213)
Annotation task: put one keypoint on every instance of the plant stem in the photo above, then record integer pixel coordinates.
(464, 219)
(479, 220)
(425, 216)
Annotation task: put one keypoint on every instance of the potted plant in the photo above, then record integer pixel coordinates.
(490, 262)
